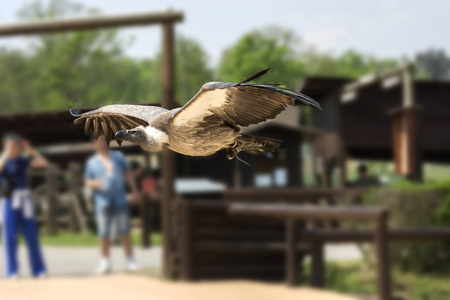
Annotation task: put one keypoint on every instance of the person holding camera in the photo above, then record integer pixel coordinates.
(16, 207)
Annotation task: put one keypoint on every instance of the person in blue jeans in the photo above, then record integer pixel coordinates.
(16, 207)
(105, 173)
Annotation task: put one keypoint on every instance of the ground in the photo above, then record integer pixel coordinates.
(82, 261)
(71, 277)
(137, 287)
(72, 268)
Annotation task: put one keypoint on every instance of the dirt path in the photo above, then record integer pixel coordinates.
(73, 261)
(136, 287)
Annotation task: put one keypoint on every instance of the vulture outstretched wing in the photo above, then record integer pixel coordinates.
(239, 104)
(109, 119)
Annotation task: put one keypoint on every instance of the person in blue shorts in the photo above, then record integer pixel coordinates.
(105, 173)
(16, 207)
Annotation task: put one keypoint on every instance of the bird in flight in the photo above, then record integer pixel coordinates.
(209, 122)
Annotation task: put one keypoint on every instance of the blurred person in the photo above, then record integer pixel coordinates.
(364, 178)
(16, 207)
(104, 174)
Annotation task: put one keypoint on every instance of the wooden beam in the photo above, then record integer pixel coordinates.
(186, 241)
(375, 77)
(382, 251)
(168, 157)
(406, 140)
(88, 23)
(317, 265)
(306, 212)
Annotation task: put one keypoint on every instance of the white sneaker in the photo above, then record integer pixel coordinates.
(104, 267)
(13, 277)
(131, 266)
(42, 275)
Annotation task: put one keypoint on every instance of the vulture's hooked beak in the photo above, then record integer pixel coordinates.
(121, 134)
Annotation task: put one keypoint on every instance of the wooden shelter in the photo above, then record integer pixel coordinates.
(386, 116)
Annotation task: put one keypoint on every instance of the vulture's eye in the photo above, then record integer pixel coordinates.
(133, 132)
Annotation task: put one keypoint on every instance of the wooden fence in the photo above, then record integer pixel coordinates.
(239, 237)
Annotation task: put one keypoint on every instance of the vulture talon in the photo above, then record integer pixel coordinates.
(230, 153)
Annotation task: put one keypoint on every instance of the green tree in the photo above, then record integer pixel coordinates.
(82, 69)
(14, 80)
(192, 68)
(434, 63)
(350, 64)
(271, 47)
(89, 68)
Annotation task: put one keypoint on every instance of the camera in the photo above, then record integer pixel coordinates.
(7, 186)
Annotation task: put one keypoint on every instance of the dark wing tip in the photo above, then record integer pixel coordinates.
(257, 75)
(74, 112)
(303, 99)
(297, 98)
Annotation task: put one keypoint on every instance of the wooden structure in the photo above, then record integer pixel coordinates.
(261, 235)
(366, 115)
(291, 214)
(212, 243)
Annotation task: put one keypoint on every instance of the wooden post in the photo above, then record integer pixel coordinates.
(383, 266)
(291, 252)
(144, 212)
(168, 157)
(75, 184)
(186, 255)
(317, 265)
(407, 152)
(406, 128)
(293, 164)
(51, 218)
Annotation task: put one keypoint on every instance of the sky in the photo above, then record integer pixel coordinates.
(385, 28)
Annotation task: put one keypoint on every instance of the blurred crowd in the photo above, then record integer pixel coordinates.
(107, 174)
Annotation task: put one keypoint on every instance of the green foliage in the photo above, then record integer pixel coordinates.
(354, 278)
(349, 64)
(416, 205)
(69, 239)
(192, 68)
(434, 64)
(260, 49)
(88, 68)
(83, 69)
(290, 59)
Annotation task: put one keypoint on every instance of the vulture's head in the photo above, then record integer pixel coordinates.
(148, 137)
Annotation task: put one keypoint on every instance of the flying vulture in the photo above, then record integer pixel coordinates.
(209, 122)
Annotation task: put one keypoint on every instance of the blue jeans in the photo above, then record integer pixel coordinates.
(16, 221)
(109, 214)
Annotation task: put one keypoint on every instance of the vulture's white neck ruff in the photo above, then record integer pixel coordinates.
(158, 135)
